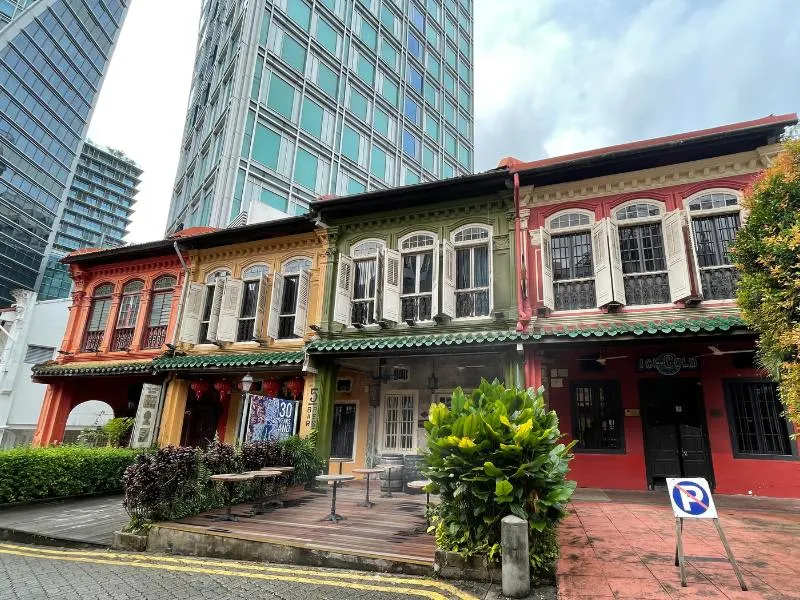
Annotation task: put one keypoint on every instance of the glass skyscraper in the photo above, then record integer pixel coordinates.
(294, 99)
(53, 57)
(97, 213)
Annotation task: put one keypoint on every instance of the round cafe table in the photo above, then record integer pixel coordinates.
(388, 468)
(282, 471)
(418, 485)
(263, 478)
(336, 479)
(226, 480)
(341, 461)
(366, 503)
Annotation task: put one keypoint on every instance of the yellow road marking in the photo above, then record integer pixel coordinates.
(281, 574)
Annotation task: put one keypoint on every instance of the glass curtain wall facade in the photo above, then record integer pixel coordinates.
(53, 57)
(97, 213)
(294, 99)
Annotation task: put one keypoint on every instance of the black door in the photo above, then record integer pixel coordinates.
(200, 420)
(344, 430)
(675, 435)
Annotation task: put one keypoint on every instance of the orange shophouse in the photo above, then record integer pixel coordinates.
(628, 285)
(124, 306)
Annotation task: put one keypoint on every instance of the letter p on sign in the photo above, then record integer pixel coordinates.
(691, 498)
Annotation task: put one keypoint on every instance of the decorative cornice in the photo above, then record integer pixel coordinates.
(258, 248)
(649, 179)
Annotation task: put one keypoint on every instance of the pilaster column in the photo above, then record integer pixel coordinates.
(145, 301)
(326, 393)
(172, 413)
(53, 417)
(111, 323)
(71, 341)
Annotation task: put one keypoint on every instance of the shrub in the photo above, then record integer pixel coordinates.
(59, 471)
(493, 454)
(175, 481)
(116, 429)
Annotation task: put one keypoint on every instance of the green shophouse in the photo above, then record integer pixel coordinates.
(419, 299)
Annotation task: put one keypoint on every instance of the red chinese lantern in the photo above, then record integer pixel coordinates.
(199, 388)
(271, 387)
(223, 387)
(295, 386)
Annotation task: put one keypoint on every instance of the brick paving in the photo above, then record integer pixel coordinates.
(622, 545)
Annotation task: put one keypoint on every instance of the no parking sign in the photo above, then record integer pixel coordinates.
(691, 498)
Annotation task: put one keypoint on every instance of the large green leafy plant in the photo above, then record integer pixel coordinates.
(495, 453)
(767, 256)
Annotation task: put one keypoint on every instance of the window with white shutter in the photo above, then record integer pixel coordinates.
(293, 307)
(160, 308)
(253, 289)
(360, 271)
(714, 220)
(391, 286)
(418, 276)
(98, 316)
(127, 315)
(38, 354)
(215, 283)
(572, 267)
(640, 242)
(473, 245)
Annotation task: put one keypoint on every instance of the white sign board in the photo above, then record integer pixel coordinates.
(146, 415)
(691, 498)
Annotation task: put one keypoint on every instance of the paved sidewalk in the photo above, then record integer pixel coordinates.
(622, 545)
(81, 521)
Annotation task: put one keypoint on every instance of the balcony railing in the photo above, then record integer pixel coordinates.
(154, 337)
(646, 288)
(719, 283)
(473, 303)
(363, 312)
(572, 295)
(416, 308)
(123, 338)
(92, 341)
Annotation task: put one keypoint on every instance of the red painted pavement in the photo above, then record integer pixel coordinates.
(622, 545)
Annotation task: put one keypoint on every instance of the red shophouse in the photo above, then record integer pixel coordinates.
(644, 355)
(123, 313)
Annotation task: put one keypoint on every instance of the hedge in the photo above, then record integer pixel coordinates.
(61, 471)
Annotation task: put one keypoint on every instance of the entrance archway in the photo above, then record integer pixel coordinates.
(91, 415)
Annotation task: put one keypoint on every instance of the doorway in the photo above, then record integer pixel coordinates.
(200, 420)
(675, 430)
(344, 431)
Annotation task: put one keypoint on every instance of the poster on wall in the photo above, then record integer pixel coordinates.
(145, 425)
(271, 419)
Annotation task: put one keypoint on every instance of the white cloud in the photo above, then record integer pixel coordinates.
(142, 105)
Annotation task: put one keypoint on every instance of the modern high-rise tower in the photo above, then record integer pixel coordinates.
(97, 214)
(53, 58)
(294, 99)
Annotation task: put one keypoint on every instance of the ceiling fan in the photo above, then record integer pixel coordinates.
(601, 360)
(462, 367)
(717, 352)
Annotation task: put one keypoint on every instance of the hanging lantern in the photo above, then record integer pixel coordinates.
(295, 386)
(223, 387)
(271, 387)
(199, 388)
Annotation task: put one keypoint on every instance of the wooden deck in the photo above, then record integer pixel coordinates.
(393, 529)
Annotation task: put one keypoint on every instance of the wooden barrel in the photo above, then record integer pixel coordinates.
(412, 469)
(396, 462)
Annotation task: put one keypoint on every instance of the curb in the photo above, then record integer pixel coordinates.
(38, 539)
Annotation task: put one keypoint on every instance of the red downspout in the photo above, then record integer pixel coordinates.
(523, 300)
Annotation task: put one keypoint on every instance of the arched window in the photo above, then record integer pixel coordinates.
(160, 306)
(418, 256)
(128, 313)
(473, 271)
(642, 253)
(98, 316)
(211, 287)
(252, 278)
(715, 218)
(293, 312)
(366, 255)
(569, 252)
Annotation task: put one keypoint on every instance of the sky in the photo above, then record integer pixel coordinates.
(551, 77)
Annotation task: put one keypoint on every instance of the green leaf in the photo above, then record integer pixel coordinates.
(491, 470)
(503, 488)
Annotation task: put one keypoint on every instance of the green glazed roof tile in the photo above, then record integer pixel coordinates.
(419, 341)
(107, 367)
(228, 359)
(594, 329)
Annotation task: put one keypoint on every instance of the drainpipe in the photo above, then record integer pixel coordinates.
(183, 292)
(523, 300)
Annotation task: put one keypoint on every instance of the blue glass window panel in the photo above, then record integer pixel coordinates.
(463, 125)
(327, 36)
(300, 13)
(368, 35)
(359, 105)
(305, 169)
(464, 155)
(410, 144)
(351, 141)
(276, 201)
(417, 17)
(355, 187)
(389, 54)
(432, 128)
(328, 80)
(464, 98)
(414, 46)
(366, 70)
(380, 122)
(293, 53)
(390, 92)
(378, 162)
(415, 79)
(412, 111)
(450, 143)
(450, 56)
(449, 83)
(387, 17)
(281, 96)
(311, 118)
(266, 146)
(411, 177)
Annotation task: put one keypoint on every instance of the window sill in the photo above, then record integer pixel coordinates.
(248, 344)
(598, 451)
(473, 319)
(779, 457)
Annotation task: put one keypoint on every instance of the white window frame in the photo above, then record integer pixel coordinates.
(433, 247)
(547, 253)
(210, 281)
(376, 257)
(711, 212)
(473, 244)
(288, 269)
(415, 412)
(257, 271)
